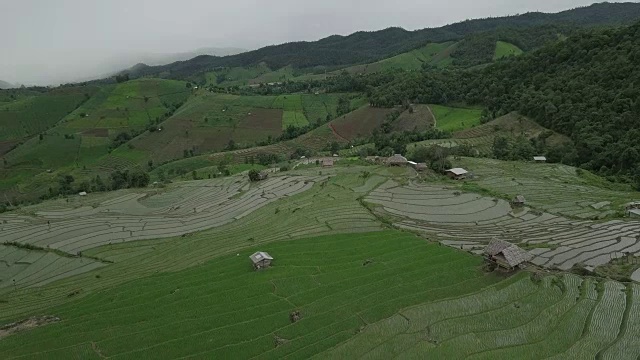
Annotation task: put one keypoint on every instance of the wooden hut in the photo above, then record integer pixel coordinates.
(506, 255)
(457, 173)
(328, 162)
(261, 260)
(397, 160)
(518, 200)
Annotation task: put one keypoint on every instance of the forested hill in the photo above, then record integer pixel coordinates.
(586, 87)
(363, 47)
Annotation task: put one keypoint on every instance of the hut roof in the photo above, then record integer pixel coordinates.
(513, 254)
(327, 162)
(397, 159)
(539, 158)
(519, 199)
(259, 256)
(496, 246)
(457, 171)
(412, 163)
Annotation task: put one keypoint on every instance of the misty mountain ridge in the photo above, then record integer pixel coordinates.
(369, 46)
(155, 59)
(6, 85)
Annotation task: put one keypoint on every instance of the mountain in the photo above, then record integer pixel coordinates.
(363, 47)
(163, 59)
(6, 85)
(583, 87)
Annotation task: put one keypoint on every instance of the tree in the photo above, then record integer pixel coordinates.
(254, 175)
(122, 78)
(500, 147)
(344, 106)
(64, 183)
(334, 147)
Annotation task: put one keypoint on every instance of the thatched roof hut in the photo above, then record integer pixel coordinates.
(506, 254)
(397, 160)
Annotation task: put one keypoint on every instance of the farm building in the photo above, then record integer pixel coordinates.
(457, 173)
(397, 160)
(505, 254)
(633, 213)
(518, 200)
(82, 193)
(328, 162)
(418, 166)
(540, 159)
(261, 260)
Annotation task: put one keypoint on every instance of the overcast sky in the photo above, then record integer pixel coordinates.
(50, 41)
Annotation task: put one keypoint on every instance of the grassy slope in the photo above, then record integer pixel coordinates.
(504, 49)
(455, 119)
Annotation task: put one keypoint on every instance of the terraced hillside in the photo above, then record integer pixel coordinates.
(24, 114)
(470, 221)
(468, 131)
(82, 140)
(555, 188)
(209, 122)
(558, 318)
(360, 291)
(329, 207)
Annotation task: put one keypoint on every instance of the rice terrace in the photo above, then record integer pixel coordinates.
(470, 191)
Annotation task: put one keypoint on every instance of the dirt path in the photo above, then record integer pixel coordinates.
(333, 130)
(435, 121)
(27, 324)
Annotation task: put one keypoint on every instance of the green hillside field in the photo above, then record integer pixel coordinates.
(454, 118)
(504, 49)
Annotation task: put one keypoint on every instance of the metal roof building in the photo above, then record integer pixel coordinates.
(261, 260)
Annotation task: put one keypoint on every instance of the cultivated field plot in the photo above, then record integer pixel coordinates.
(30, 115)
(132, 105)
(469, 221)
(420, 119)
(481, 137)
(555, 188)
(558, 318)
(293, 112)
(455, 119)
(330, 207)
(224, 309)
(26, 268)
(359, 123)
(433, 54)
